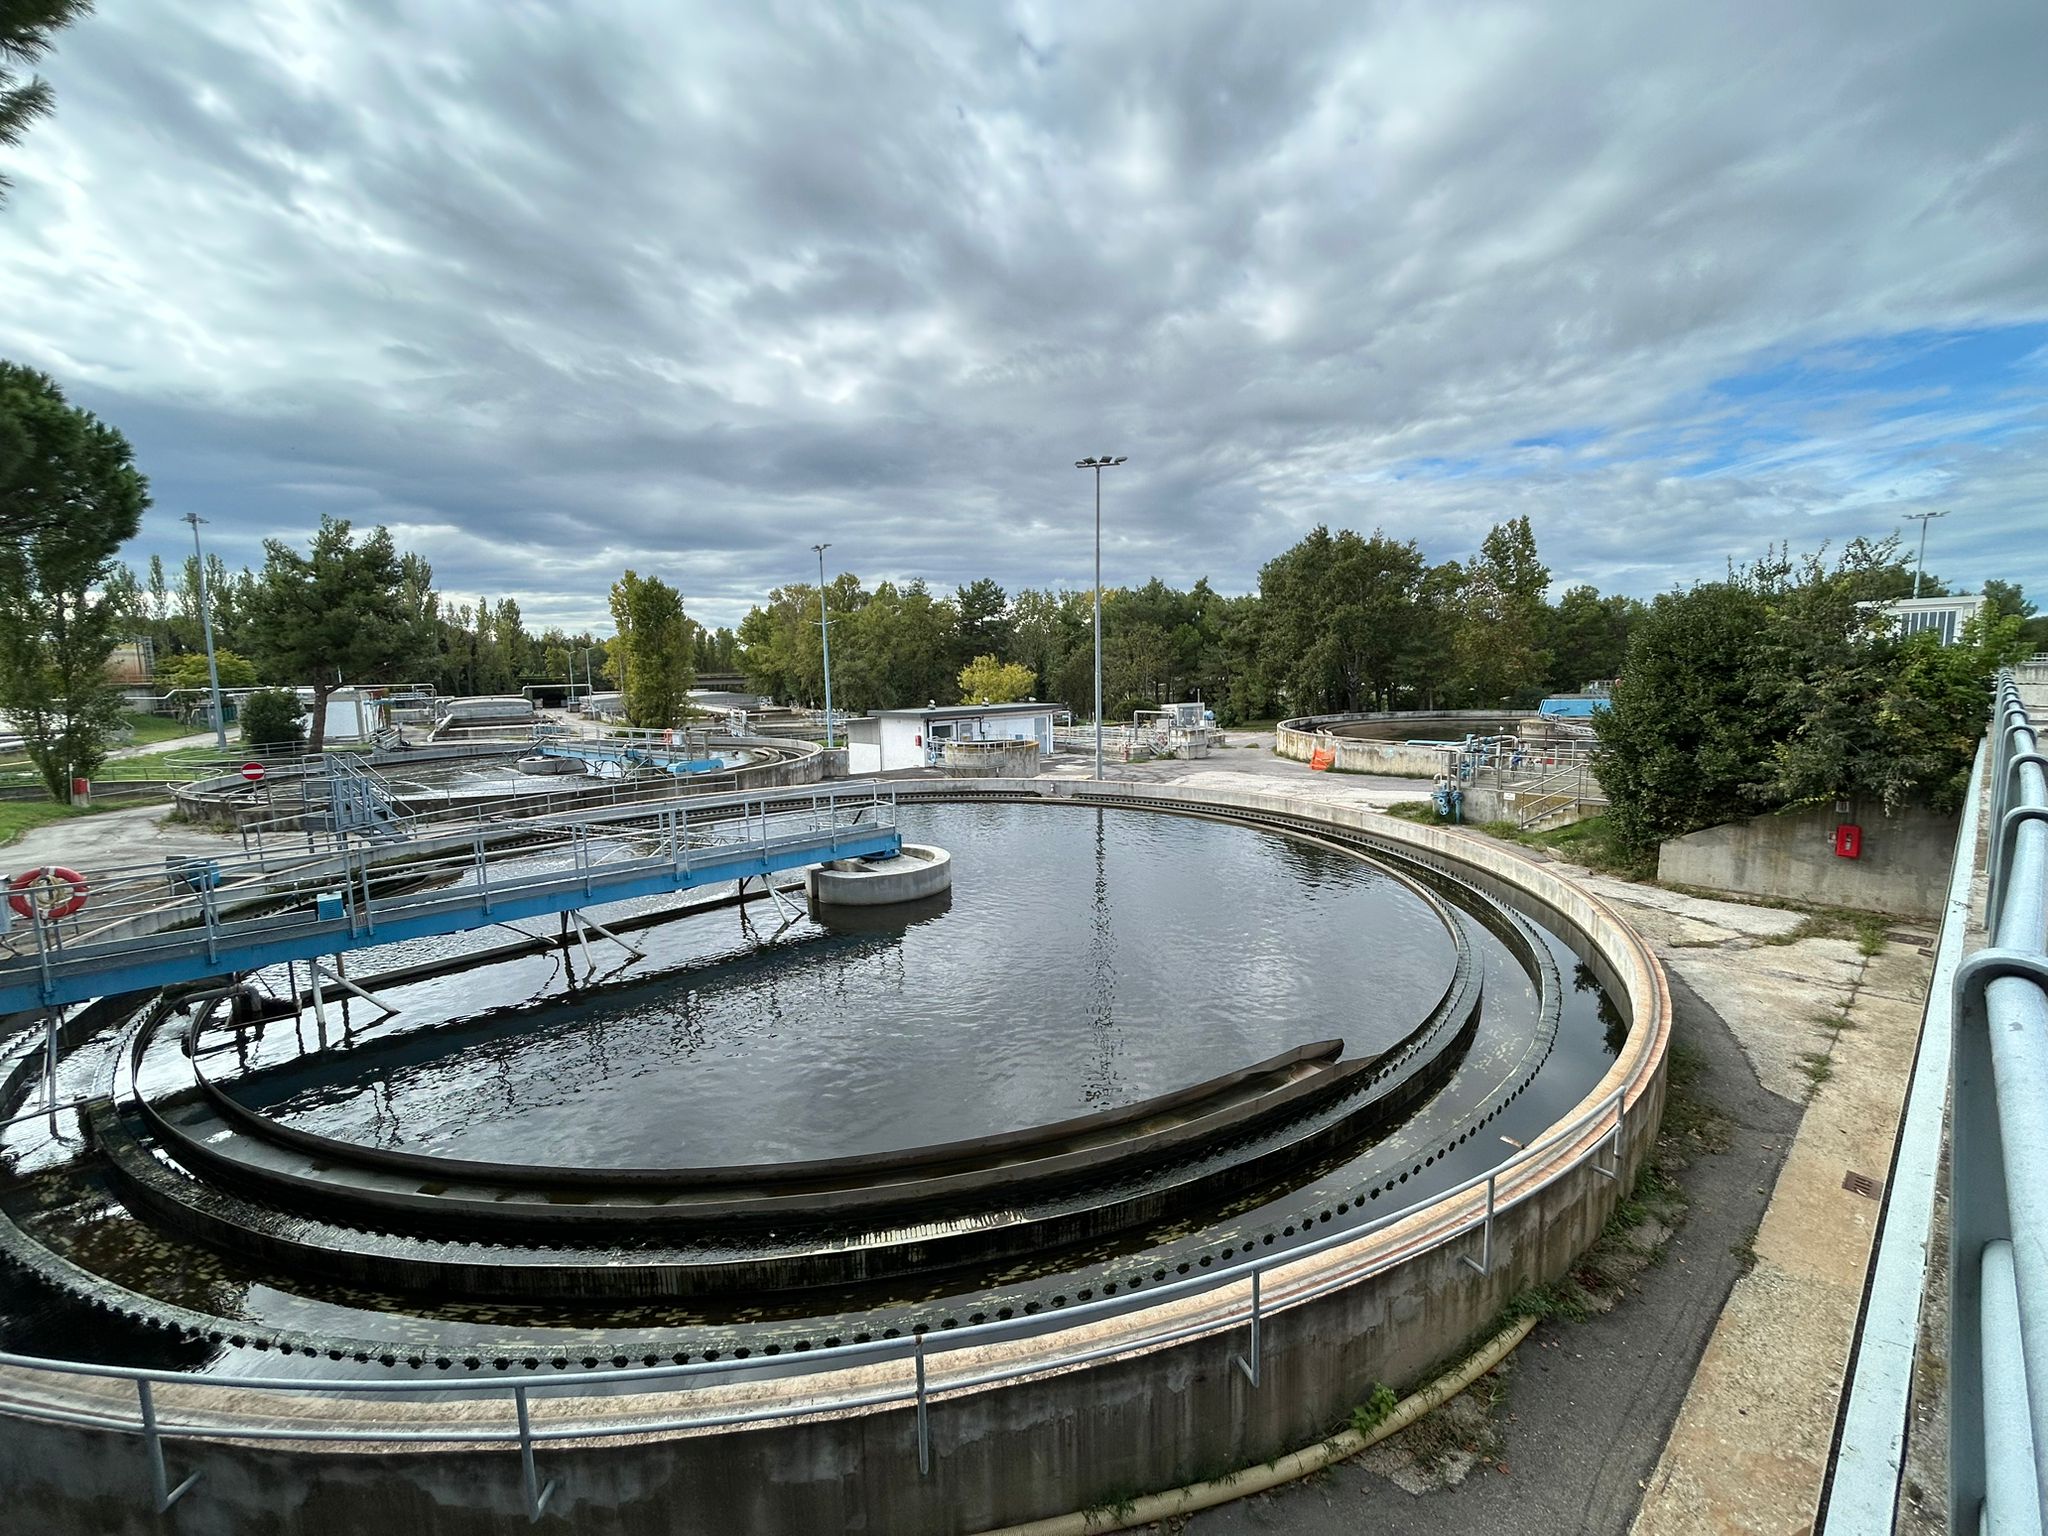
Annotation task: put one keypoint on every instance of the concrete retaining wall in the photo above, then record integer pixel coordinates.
(1062, 1438)
(1391, 758)
(1903, 870)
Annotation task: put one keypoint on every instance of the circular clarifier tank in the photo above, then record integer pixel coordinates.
(1122, 1042)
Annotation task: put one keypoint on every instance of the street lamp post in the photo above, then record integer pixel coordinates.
(1099, 463)
(220, 722)
(825, 639)
(1923, 519)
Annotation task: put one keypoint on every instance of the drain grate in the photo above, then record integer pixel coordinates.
(1860, 1184)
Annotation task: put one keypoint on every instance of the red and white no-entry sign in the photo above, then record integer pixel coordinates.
(253, 772)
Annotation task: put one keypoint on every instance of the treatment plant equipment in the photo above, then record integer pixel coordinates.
(1118, 1162)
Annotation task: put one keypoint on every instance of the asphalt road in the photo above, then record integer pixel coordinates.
(1590, 1404)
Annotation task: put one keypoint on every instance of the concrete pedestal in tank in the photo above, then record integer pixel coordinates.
(919, 871)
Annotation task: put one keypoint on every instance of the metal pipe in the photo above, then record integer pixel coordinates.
(220, 723)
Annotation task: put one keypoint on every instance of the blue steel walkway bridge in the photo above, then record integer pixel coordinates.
(147, 927)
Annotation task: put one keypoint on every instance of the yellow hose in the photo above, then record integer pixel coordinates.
(1295, 1465)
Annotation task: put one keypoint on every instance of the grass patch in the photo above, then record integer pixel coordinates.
(1744, 1249)
(1590, 842)
(144, 729)
(1817, 1067)
(1423, 811)
(19, 816)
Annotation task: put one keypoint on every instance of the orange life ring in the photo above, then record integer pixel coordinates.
(668, 738)
(25, 889)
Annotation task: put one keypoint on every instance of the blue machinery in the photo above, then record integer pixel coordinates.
(1985, 1041)
(148, 928)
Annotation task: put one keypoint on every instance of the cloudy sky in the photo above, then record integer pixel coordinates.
(554, 289)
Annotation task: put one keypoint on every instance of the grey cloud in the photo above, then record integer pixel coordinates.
(695, 287)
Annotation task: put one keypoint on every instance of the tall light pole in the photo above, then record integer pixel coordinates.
(1099, 463)
(1923, 519)
(220, 721)
(825, 639)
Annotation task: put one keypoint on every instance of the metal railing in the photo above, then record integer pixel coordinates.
(1982, 1062)
(1246, 1296)
(139, 920)
(1998, 1258)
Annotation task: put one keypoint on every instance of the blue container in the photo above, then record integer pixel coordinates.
(327, 905)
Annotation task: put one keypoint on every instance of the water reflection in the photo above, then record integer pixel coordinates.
(1084, 959)
(1613, 1025)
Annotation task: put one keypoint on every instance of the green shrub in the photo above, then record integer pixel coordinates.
(273, 720)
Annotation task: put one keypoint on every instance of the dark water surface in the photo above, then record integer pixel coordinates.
(1086, 960)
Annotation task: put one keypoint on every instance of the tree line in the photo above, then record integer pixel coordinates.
(1340, 622)
(1783, 685)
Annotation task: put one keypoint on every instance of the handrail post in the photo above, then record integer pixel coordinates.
(161, 1491)
(536, 1494)
(924, 1426)
(1484, 1263)
(1250, 1365)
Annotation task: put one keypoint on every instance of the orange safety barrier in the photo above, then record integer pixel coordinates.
(1322, 760)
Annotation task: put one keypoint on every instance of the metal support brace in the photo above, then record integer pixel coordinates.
(51, 1022)
(1250, 1364)
(341, 980)
(536, 1491)
(207, 913)
(788, 911)
(584, 918)
(159, 1477)
(924, 1423)
(1484, 1263)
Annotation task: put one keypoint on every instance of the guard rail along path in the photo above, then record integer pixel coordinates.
(1163, 1377)
(1983, 1050)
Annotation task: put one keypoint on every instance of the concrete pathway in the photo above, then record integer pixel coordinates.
(1751, 1445)
(172, 744)
(109, 839)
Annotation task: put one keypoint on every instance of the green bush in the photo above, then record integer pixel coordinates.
(273, 719)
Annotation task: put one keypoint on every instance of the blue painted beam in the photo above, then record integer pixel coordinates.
(184, 955)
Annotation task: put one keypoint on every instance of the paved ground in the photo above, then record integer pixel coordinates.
(1751, 1445)
(144, 835)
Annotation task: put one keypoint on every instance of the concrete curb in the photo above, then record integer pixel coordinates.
(1294, 1466)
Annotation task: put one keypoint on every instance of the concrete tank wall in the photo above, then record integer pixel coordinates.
(1391, 758)
(918, 872)
(1903, 869)
(1061, 1438)
(990, 759)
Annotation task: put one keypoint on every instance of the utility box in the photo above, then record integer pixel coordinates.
(327, 906)
(1848, 841)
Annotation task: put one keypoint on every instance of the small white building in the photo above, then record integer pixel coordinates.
(1946, 616)
(353, 714)
(889, 739)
